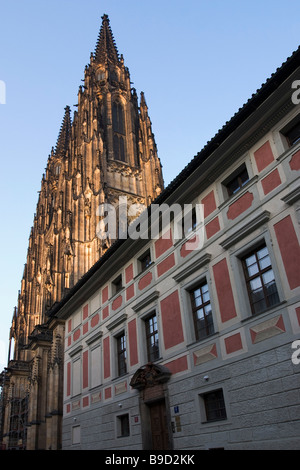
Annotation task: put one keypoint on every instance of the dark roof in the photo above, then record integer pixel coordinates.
(271, 84)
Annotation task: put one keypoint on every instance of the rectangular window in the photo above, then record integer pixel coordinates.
(123, 429)
(117, 285)
(121, 354)
(152, 338)
(202, 313)
(214, 405)
(292, 131)
(237, 180)
(189, 222)
(260, 280)
(144, 261)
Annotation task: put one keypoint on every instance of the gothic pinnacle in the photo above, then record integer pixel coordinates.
(106, 49)
(64, 134)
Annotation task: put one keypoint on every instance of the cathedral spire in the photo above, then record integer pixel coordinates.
(106, 49)
(64, 134)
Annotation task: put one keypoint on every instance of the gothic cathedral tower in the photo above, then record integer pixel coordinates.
(108, 150)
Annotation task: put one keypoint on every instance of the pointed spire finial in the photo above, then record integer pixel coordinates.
(64, 134)
(106, 49)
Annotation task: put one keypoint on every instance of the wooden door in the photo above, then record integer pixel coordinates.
(159, 427)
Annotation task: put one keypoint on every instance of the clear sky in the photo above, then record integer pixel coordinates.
(198, 62)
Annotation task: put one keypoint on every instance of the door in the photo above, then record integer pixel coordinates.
(159, 427)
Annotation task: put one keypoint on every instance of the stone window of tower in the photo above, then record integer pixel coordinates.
(118, 121)
(118, 118)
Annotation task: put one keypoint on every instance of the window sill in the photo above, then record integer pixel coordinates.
(267, 312)
(214, 421)
(201, 341)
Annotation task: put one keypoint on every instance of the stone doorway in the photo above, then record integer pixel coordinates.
(151, 381)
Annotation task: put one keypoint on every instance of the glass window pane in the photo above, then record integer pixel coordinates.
(244, 177)
(200, 313)
(255, 284)
(265, 262)
(207, 309)
(252, 270)
(250, 260)
(204, 288)
(268, 277)
(197, 293)
(262, 252)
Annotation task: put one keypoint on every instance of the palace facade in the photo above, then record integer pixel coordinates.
(189, 343)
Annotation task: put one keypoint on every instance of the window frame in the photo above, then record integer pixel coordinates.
(140, 259)
(293, 123)
(259, 275)
(205, 409)
(149, 336)
(121, 354)
(120, 425)
(202, 282)
(117, 285)
(236, 175)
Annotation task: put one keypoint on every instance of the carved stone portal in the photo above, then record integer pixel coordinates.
(149, 376)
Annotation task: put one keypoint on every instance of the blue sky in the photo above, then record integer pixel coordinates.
(197, 61)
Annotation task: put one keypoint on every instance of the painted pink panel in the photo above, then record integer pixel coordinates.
(189, 246)
(85, 369)
(107, 393)
(298, 314)
(69, 325)
(163, 244)
(209, 203)
(95, 320)
(212, 227)
(263, 156)
(166, 264)
(85, 402)
(233, 343)
(289, 249)
(224, 290)
(133, 342)
(106, 358)
(85, 328)
(271, 181)
(85, 312)
(295, 161)
(130, 292)
(69, 379)
(178, 365)
(171, 320)
(105, 294)
(240, 205)
(129, 273)
(105, 312)
(145, 281)
(76, 334)
(117, 303)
